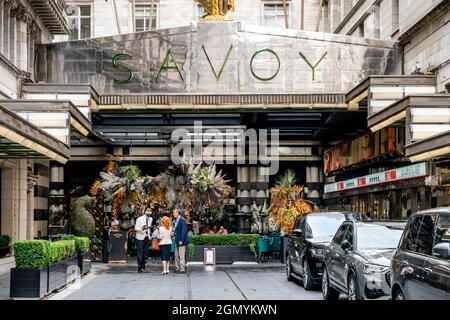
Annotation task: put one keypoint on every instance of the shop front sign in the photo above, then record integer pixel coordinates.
(405, 173)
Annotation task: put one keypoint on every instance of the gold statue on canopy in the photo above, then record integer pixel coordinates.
(216, 10)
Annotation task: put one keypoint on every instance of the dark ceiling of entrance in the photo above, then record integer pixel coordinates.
(122, 128)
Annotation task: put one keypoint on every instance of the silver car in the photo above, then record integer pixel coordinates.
(357, 260)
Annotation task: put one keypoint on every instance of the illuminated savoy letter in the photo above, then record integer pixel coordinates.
(313, 67)
(115, 60)
(223, 64)
(166, 67)
(253, 58)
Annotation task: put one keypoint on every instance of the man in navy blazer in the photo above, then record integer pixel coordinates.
(181, 240)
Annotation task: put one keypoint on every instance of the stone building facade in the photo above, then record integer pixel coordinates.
(25, 150)
(422, 32)
(106, 18)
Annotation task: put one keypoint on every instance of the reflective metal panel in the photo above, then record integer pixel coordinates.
(224, 57)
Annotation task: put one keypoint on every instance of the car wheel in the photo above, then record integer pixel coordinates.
(328, 293)
(289, 269)
(352, 288)
(307, 281)
(399, 295)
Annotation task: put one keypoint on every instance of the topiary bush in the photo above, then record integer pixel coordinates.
(60, 250)
(32, 254)
(4, 241)
(224, 240)
(250, 240)
(82, 244)
(81, 222)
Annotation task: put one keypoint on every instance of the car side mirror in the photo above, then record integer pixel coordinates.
(345, 245)
(442, 250)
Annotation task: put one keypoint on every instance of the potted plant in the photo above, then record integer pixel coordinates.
(82, 247)
(63, 264)
(286, 204)
(229, 248)
(5, 249)
(29, 279)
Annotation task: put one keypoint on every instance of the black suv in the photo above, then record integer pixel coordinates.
(312, 233)
(420, 268)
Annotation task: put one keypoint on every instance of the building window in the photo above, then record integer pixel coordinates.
(79, 20)
(274, 15)
(142, 17)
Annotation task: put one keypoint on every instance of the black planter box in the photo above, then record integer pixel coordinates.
(225, 254)
(5, 251)
(72, 269)
(28, 283)
(56, 276)
(84, 262)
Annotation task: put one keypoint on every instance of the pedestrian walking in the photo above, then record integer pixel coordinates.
(181, 241)
(143, 236)
(165, 243)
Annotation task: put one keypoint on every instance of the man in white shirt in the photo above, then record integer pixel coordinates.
(143, 238)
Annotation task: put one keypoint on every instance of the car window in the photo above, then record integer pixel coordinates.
(324, 225)
(408, 242)
(442, 231)
(377, 238)
(425, 238)
(339, 236)
(348, 234)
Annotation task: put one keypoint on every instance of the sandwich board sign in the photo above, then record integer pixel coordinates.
(209, 256)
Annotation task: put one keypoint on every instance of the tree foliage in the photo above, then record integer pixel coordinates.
(287, 202)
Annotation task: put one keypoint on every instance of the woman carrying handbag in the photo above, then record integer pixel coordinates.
(165, 242)
(155, 243)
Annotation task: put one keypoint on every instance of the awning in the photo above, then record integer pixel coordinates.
(415, 171)
(53, 115)
(20, 139)
(415, 110)
(433, 147)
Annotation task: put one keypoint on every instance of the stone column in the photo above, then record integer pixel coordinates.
(262, 185)
(34, 33)
(334, 9)
(244, 187)
(22, 201)
(253, 179)
(41, 197)
(325, 19)
(32, 181)
(6, 25)
(13, 33)
(372, 24)
(313, 184)
(56, 187)
(23, 21)
(2, 8)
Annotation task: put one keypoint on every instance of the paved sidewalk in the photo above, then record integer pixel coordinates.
(249, 282)
(4, 286)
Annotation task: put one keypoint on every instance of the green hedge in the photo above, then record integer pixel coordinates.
(61, 250)
(37, 254)
(224, 240)
(32, 254)
(250, 240)
(4, 241)
(82, 244)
